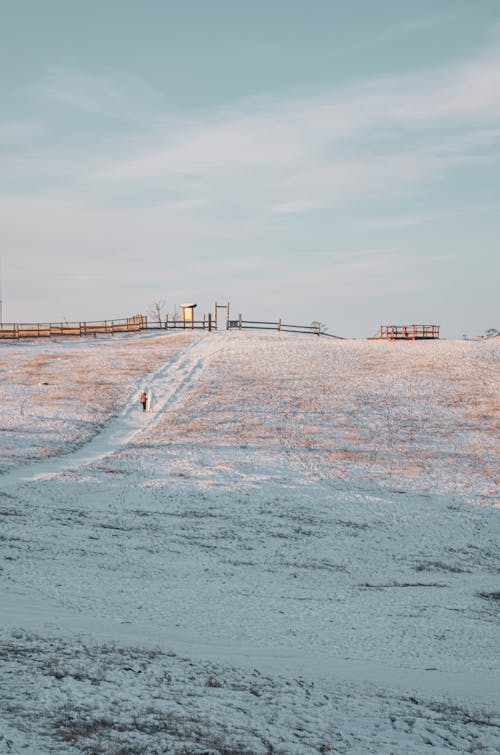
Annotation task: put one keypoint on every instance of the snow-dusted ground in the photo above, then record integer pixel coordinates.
(295, 552)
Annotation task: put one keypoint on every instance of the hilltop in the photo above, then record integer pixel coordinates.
(295, 552)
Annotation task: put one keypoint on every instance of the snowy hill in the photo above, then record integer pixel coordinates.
(296, 551)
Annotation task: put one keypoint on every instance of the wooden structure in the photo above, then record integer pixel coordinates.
(314, 329)
(188, 312)
(53, 329)
(406, 333)
(225, 308)
(16, 331)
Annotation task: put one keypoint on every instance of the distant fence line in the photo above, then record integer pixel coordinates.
(313, 329)
(52, 329)
(17, 331)
(133, 324)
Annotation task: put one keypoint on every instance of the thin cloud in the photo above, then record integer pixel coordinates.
(110, 97)
(20, 132)
(300, 155)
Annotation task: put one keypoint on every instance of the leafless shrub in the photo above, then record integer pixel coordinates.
(490, 595)
(368, 585)
(70, 730)
(439, 566)
(212, 681)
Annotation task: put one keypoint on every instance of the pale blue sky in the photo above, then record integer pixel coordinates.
(306, 160)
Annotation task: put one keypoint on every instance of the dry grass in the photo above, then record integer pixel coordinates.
(91, 378)
(353, 409)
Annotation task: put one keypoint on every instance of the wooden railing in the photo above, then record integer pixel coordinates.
(314, 329)
(141, 322)
(407, 332)
(53, 329)
(95, 328)
(174, 323)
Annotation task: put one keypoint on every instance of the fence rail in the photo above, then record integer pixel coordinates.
(17, 331)
(174, 323)
(406, 332)
(52, 329)
(278, 325)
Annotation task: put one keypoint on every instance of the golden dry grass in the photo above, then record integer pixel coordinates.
(64, 391)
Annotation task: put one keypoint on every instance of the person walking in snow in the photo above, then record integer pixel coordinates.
(143, 398)
(149, 400)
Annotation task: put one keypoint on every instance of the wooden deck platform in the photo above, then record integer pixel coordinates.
(406, 333)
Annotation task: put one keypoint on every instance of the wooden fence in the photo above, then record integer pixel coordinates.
(406, 333)
(314, 329)
(54, 329)
(17, 331)
(136, 323)
(176, 323)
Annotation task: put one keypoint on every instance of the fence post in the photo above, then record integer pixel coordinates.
(209, 322)
(240, 321)
(279, 324)
(319, 328)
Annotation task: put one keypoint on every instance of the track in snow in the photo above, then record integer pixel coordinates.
(168, 383)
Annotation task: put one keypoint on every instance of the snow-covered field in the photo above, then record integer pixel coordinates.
(295, 552)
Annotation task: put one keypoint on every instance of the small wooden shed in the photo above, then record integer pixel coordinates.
(188, 312)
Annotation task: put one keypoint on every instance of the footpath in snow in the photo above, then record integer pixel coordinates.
(167, 383)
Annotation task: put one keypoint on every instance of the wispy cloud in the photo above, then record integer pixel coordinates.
(107, 96)
(185, 190)
(20, 132)
(298, 155)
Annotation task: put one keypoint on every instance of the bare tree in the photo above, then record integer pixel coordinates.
(157, 311)
(319, 326)
(492, 333)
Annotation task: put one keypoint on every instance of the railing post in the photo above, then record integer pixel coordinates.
(279, 324)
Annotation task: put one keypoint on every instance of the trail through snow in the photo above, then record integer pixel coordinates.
(168, 383)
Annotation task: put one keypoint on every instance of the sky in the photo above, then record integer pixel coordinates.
(309, 160)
